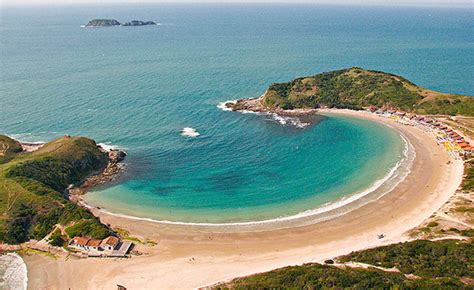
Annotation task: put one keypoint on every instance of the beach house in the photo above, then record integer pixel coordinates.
(79, 243)
(109, 243)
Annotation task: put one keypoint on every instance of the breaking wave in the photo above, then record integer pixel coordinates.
(13, 272)
(189, 132)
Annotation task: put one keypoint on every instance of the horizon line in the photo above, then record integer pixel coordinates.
(436, 4)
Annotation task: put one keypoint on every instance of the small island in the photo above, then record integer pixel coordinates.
(354, 88)
(113, 22)
(138, 23)
(102, 23)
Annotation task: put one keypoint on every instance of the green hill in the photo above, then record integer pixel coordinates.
(444, 264)
(356, 88)
(32, 185)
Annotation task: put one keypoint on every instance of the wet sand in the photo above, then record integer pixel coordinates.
(188, 256)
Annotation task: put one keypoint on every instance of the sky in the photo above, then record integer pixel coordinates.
(446, 3)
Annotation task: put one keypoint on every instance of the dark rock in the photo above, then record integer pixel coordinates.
(102, 23)
(117, 156)
(138, 23)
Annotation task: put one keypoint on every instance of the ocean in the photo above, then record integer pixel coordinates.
(138, 88)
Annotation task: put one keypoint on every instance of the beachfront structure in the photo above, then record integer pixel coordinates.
(109, 243)
(456, 145)
(93, 244)
(108, 247)
(79, 243)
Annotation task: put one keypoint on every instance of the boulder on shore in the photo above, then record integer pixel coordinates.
(116, 156)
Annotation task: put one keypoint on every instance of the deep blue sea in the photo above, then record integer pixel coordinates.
(138, 87)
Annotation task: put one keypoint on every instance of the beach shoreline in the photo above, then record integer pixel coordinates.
(203, 257)
(325, 211)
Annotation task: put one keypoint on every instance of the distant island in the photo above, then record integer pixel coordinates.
(355, 88)
(113, 22)
(36, 182)
(138, 23)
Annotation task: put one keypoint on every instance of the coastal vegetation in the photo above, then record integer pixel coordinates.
(8, 148)
(423, 258)
(32, 185)
(418, 264)
(356, 88)
(468, 180)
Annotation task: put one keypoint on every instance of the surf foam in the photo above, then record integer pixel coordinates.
(108, 146)
(282, 120)
(189, 132)
(223, 107)
(13, 272)
(289, 121)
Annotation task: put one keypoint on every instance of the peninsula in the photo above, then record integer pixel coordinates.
(354, 88)
(35, 182)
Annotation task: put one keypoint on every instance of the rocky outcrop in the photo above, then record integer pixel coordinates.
(116, 156)
(102, 23)
(113, 169)
(113, 22)
(138, 23)
(256, 105)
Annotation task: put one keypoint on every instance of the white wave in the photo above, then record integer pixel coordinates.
(108, 146)
(289, 121)
(13, 272)
(223, 107)
(189, 132)
(25, 138)
(283, 120)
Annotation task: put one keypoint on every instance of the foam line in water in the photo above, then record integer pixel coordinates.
(282, 120)
(108, 146)
(14, 272)
(189, 132)
(223, 107)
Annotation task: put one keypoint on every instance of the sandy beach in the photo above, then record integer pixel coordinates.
(189, 257)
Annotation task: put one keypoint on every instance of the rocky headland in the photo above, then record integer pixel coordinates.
(113, 169)
(353, 88)
(256, 105)
(39, 181)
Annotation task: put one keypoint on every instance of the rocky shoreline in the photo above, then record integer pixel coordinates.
(114, 168)
(255, 105)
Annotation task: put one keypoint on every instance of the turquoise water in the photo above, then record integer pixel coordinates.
(138, 87)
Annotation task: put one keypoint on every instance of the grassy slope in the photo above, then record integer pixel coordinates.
(441, 264)
(31, 186)
(357, 88)
(8, 148)
(468, 180)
